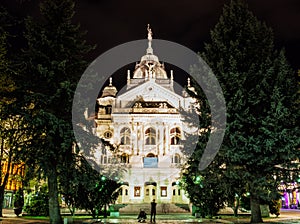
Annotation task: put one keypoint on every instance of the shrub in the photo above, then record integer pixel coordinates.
(38, 204)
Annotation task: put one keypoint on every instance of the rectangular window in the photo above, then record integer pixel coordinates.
(163, 191)
(178, 191)
(147, 192)
(137, 191)
(153, 191)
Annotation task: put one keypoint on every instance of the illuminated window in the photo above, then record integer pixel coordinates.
(125, 136)
(150, 136)
(124, 158)
(163, 191)
(137, 191)
(175, 136)
(176, 159)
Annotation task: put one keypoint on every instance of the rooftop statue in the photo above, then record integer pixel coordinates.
(149, 33)
(149, 37)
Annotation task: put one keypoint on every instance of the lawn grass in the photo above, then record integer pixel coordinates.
(35, 217)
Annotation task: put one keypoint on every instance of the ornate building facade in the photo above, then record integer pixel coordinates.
(144, 121)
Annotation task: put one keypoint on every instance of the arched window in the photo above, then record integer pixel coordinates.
(176, 159)
(175, 134)
(150, 155)
(124, 158)
(150, 136)
(125, 136)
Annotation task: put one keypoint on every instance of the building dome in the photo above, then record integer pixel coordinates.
(149, 66)
(109, 90)
(150, 69)
(150, 57)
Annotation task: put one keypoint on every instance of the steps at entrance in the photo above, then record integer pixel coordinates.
(160, 208)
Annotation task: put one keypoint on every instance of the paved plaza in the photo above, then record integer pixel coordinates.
(291, 216)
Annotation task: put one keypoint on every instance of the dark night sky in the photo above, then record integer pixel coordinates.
(111, 22)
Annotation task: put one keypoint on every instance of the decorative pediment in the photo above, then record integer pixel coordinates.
(150, 92)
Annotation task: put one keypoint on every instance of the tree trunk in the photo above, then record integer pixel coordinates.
(1, 200)
(236, 206)
(5, 177)
(255, 210)
(105, 211)
(54, 209)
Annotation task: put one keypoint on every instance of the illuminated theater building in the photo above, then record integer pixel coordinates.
(145, 123)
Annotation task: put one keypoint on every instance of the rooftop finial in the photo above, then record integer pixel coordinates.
(149, 33)
(110, 81)
(149, 49)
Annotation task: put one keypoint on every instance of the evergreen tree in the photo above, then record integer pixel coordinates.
(260, 90)
(13, 134)
(52, 65)
(95, 194)
(204, 187)
(79, 186)
(6, 83)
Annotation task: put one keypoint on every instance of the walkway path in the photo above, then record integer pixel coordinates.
(288, 216)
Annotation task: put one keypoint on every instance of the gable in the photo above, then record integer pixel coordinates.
(149, 91)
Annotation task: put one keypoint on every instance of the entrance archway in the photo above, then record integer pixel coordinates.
(150, 192)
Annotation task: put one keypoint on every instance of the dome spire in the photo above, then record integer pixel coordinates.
(149, 49)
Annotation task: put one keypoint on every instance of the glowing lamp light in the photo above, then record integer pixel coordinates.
(198, 180)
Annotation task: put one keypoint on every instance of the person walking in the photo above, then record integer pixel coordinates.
(153, 210)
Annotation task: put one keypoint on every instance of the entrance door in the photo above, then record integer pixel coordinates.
(150, 192)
